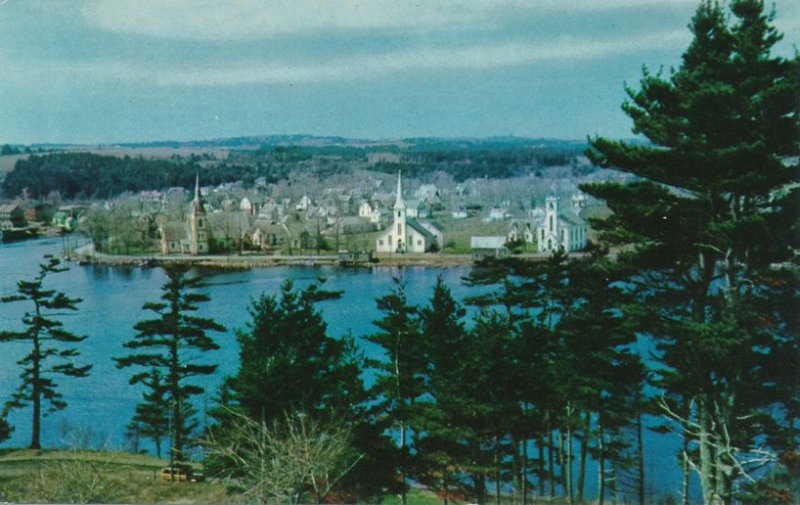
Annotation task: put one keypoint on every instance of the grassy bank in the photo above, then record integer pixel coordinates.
(67, 476)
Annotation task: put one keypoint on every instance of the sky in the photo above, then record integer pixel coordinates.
(105, 71)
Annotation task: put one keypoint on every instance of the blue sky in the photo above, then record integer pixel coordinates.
(102, 71)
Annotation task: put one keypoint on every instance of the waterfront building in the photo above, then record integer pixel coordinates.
(407, 233)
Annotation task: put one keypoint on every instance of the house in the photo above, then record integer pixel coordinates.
(376, 216)
(11, 216)
(488, 247)
(266, 235)
(304, 203)
(406, 233)
(248, 206)
(427, 192)
(38, 212)
(365, 210)
(562, 229)
(459, 214)
(190, 237)
(524, 230)
(496, 214)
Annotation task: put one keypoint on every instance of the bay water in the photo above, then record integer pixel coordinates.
(101, 405)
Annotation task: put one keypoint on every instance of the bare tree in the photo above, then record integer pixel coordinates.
(287, 461)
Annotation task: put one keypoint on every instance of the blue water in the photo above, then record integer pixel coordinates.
(101, 405)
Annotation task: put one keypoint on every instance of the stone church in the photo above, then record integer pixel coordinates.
(191, 236)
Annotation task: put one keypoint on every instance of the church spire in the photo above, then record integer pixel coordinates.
(399, 202)
(198, 205)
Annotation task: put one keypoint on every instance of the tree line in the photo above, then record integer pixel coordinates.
(87, 175)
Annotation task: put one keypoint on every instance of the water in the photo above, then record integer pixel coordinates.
(102, 404)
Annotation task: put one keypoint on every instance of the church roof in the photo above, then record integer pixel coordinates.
(174, 231)
(571, 217)
(413, 223)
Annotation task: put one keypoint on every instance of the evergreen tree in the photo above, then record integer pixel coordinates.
(151, 417)
(170, 345)
(441, 439)
(50, 355)
(289, 366)
(707, 215)
(289, 363)
(399, 376)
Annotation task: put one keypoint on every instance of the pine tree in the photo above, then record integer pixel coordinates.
(47, 359)
(170, 345)
(399, 376)
(707, 216)
(289, 363)
(289, 366)
(151, 417)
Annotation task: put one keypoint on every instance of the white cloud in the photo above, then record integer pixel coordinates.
(362, 67)
(238, 19)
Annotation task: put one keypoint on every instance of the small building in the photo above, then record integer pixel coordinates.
(488, 247)
(269, 235)
(365, 210)
(12, 216)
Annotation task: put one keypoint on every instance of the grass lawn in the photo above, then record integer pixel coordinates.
(66, 476)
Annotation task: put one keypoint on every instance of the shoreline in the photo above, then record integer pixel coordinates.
(86, 256)
(244, 262)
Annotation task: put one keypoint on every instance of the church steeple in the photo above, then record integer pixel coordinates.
(198, 226)
(399, 203)
(197, 202)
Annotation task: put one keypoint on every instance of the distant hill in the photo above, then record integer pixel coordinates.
(414, 143)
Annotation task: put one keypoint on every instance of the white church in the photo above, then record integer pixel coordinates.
(406, 233)
(561, 229)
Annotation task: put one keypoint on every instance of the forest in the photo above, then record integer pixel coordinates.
(83, 176)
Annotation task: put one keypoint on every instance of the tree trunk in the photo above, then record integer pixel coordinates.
(497, 469)
(403, 494)
(540, 469)
(551, 470)
(36, 427)
(584, 450)
(562, 476)
(177, 422)
(706, 455)
(570, 492)
(601, 464)
(640, 454)
(525, 471)
(685, 468)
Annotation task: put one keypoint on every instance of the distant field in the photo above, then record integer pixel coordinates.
(7, 162)
(153, 152)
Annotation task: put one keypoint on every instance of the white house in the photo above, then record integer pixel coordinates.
(304, 203)
(562, 229)
(365, 210)
(496, 214)
(407, 234)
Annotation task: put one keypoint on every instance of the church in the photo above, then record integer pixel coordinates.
(190, 237)
(561, 229)
(406, 233)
